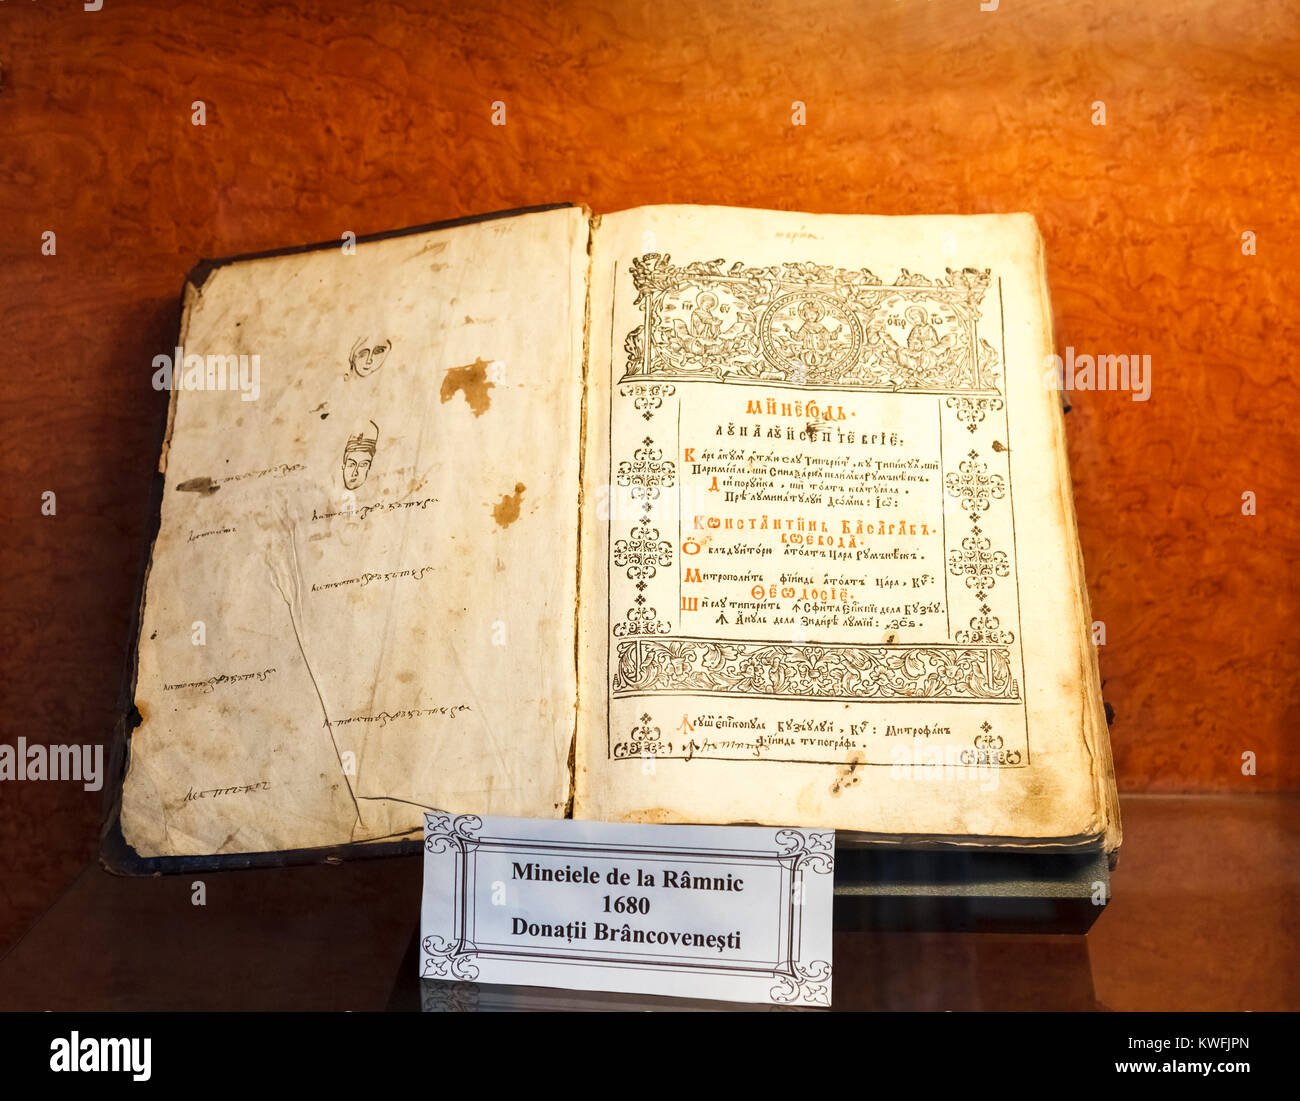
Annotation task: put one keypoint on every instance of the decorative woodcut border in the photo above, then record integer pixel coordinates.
(816, 671)
(810, 325)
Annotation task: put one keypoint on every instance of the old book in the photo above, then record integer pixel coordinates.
(679, 514)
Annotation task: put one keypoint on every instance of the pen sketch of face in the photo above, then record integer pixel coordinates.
(368, 356)
(358, 454)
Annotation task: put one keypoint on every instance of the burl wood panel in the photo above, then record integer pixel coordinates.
(373, 116)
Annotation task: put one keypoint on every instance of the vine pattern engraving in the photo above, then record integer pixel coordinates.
(807, 324)
(817, 671)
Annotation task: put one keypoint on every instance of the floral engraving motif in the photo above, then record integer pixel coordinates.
(642, 553)
(990, 750)
(645, 475)
(806, 324)
(645, 732)
(971, 411)
(644, 741)
(814, 853)
(973, 483)
(443, 831)
(978, 563)
(816, 671)
(808, 982)
(986, 628)
(445, 960)
(648, 396)
(640, 620)
(448, 959)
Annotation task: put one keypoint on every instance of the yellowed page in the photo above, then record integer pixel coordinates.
(362, 592)
(836, 580)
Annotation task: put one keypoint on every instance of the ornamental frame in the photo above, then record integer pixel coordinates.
(809, 325)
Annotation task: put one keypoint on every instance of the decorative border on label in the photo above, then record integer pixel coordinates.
(453, 953)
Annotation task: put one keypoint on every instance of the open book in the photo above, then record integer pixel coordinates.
(679, 514)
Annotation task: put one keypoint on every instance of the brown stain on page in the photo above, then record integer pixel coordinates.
(657, 816)
(198, 485)
(844, 777)
(470, 380)
(506, 511)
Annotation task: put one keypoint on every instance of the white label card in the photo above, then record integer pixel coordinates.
(737, 913)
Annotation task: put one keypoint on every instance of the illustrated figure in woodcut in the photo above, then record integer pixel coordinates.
(924, 348)
(368, 356)
(358, 455)
(700, 334)
(810, 343)
(705, 324)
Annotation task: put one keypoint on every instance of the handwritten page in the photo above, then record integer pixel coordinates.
(361, 598)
